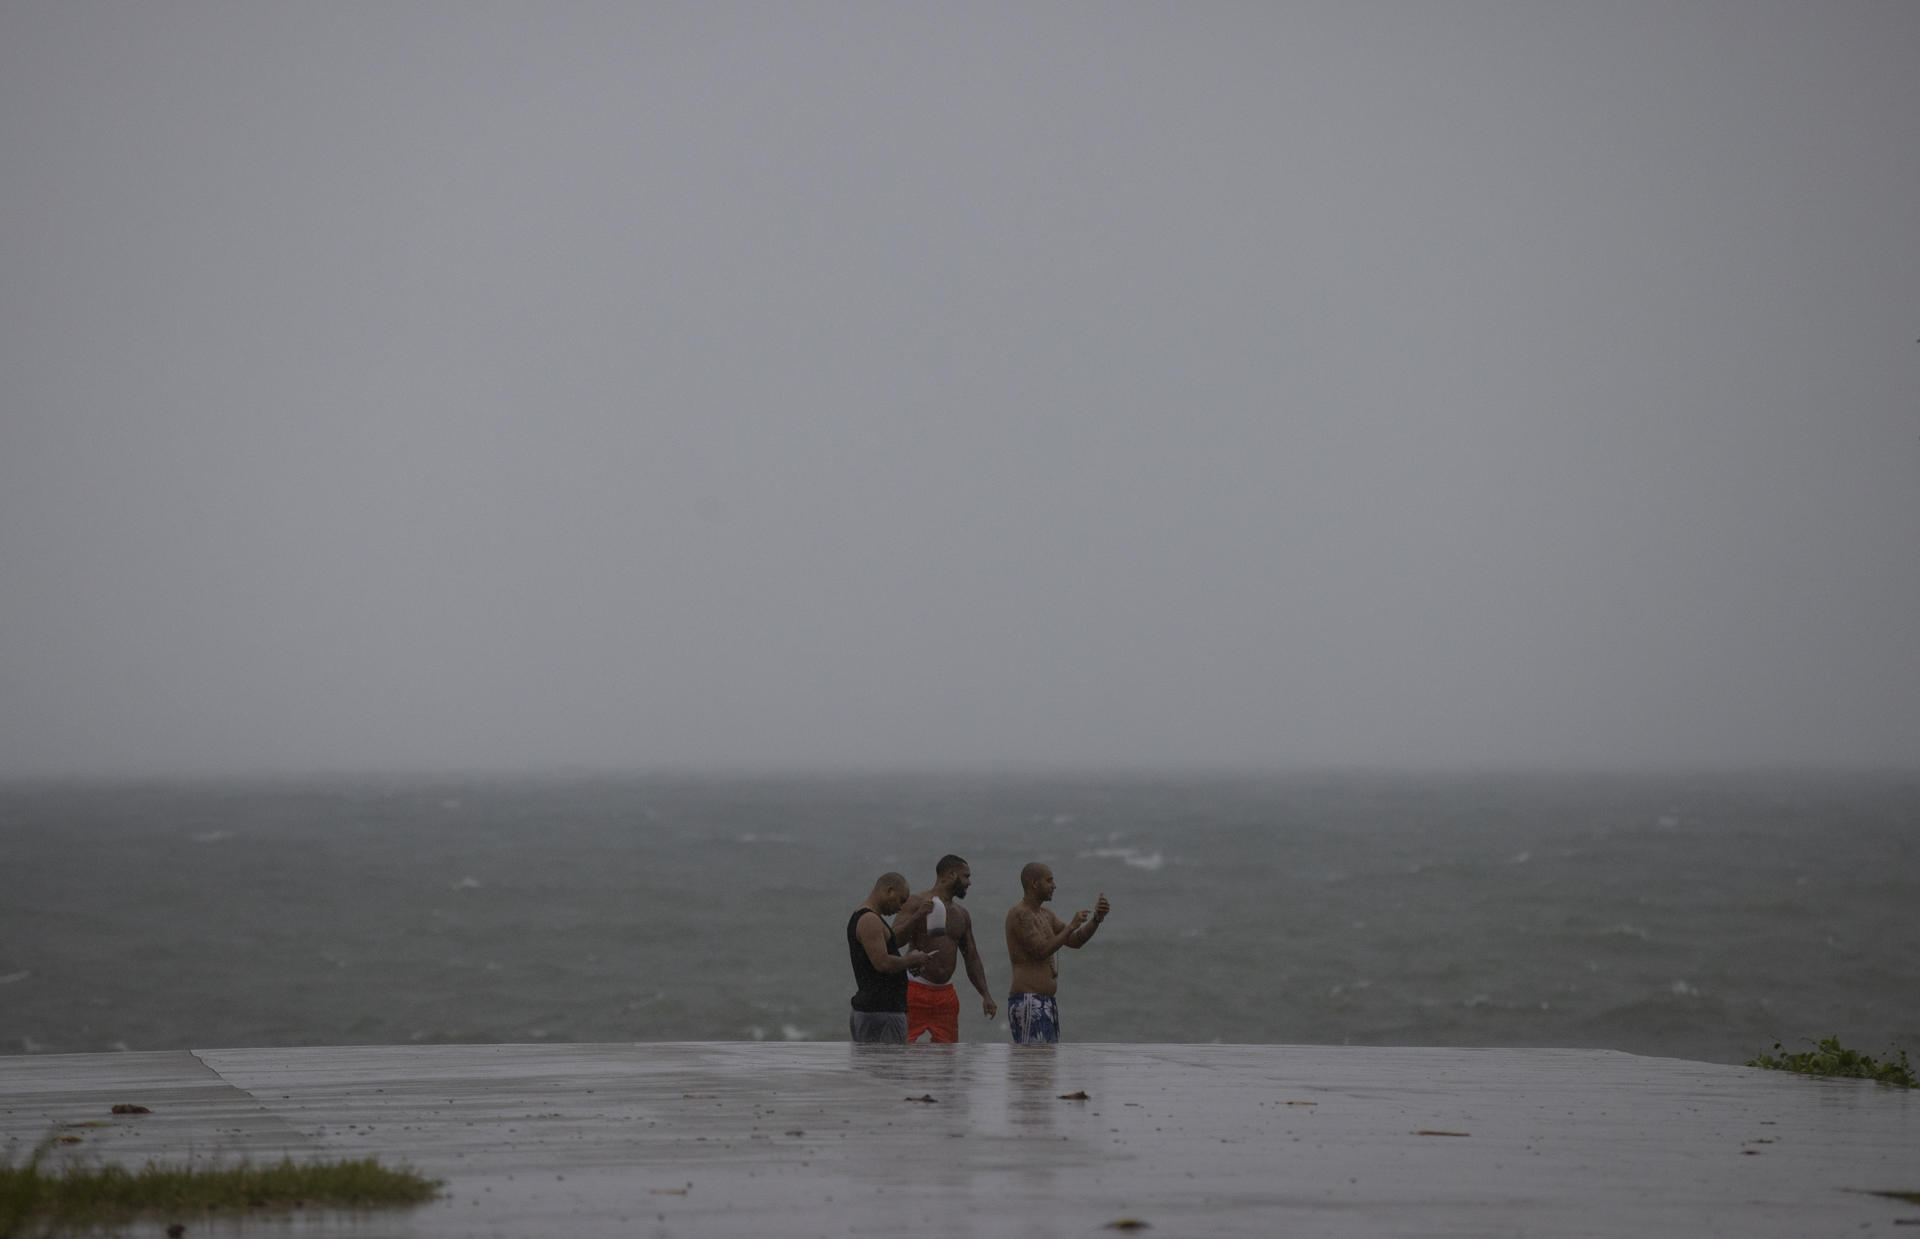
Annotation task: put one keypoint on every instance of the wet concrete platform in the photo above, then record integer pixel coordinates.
(986, 1139)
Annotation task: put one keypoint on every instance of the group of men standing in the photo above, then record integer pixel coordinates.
(904, 970)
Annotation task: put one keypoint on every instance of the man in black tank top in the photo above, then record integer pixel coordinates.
(880, 1004)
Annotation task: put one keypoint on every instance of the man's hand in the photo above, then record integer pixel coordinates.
(916, 959)
(1100, 908)
(1078, 919)
(987, 1008)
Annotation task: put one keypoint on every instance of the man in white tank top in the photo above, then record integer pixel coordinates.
(933, 1007)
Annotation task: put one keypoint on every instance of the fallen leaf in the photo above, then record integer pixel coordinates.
(668, 1191)
(929, 1098)
(1126, 1223)
(1303, 1103)
(1079, 1096)
(1427, 1131)
(126, 1108)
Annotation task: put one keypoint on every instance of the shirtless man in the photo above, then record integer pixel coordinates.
(1034, 933)
(946, 936)
(879, 1014)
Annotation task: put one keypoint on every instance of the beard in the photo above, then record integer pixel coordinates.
(959, 890)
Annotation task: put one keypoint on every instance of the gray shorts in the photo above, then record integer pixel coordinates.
(878, 1027)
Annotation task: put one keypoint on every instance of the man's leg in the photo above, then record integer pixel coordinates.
(943, 1013)
(919, 1011)
(1034, 1019)
(877, 1027)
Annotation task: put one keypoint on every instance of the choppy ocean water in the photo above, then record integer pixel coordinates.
(1695, 916)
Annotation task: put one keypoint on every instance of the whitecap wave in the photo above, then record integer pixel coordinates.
(1132, 856)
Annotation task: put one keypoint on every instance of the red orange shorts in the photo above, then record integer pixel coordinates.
(933, 1009)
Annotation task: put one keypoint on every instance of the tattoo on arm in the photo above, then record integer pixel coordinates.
(1032, 936)
(1038, 933)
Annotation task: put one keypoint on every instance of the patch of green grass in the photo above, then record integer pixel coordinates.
(1830, 1058)
(81, 1195)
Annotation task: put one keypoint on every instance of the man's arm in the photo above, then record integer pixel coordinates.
(1041, 939)
(977, 971)
(873, 936)
(912, 917)
(1078, 938)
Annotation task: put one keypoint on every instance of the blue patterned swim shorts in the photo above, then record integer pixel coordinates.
(1034, 1019)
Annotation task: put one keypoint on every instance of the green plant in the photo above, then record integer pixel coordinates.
(77, 1195)
(20, 1193)
(1830, 1058)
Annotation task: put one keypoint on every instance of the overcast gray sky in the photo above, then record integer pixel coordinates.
(878, 385)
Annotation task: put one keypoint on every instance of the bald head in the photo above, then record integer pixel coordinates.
(1034, 875)
(890, 890)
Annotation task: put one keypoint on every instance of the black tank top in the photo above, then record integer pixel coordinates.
(879, 991)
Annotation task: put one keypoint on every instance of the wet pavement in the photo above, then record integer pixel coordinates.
(802, 1139)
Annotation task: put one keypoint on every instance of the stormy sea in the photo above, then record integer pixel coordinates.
(1702, 916)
